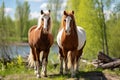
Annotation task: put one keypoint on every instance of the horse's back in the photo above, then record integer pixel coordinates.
(81, 37)
(31, 34)
(32, 28)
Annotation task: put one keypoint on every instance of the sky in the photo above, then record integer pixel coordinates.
(36, 6)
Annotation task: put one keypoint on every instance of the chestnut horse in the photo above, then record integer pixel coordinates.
(40, 40)
(71, 40)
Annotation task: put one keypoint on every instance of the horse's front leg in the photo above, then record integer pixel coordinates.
(61, 60)
(32, 59)
(66, 61)
(78, 57)
(38, 63)
(44, 63)
(73, 61)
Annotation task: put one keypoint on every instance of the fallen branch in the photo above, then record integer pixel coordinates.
(110, 65)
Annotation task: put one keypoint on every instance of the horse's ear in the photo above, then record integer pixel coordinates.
(72, 12)
(64, 13)
(49, 11)
(41, 12)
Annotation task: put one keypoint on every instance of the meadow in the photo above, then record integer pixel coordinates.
(17, 69)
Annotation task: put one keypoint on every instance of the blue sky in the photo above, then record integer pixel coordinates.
(36, 6)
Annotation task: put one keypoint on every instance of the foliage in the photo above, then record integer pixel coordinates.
(114, 35)
(22, 18)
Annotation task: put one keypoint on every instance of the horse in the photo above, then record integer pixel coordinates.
(71, 40)
(40, 40)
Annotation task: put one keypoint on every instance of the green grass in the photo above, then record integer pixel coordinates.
(16, 70)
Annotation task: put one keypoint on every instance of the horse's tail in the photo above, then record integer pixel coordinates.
(69, 60)
(30, 59)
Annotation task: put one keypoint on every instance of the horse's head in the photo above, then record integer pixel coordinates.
(44, 20)
(68, 21)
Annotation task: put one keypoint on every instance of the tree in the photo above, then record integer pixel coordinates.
(113, 25)
(103, 26)
(26, 12)
(22, 18)
(4, 48)
(19, 19)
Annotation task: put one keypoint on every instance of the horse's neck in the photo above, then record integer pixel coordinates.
(74, 30)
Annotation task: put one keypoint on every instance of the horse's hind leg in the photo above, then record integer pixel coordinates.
(44, 63)
(61, 60)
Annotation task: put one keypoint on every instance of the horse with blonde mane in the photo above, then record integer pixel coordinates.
(40, 40)
(71, 40)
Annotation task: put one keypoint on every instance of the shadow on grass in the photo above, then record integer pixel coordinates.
(91, 75)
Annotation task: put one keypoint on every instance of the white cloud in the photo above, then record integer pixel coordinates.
(43, 6)
(8, 10)
(34, 15)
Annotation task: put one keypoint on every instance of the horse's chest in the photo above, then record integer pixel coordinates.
(43, 41)
(70, 42)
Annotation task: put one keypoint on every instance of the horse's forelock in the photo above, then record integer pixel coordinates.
(45, 14)
(72, 22)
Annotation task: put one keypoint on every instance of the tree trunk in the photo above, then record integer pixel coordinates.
(104, 58)
(110, 65)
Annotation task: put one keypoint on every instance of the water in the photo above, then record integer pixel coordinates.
(23, 50)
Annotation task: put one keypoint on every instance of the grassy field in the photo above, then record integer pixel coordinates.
(16, 70)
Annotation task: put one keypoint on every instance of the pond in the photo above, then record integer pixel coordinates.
(23, 50)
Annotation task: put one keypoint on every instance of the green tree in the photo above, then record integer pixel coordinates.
(10, 27)
(113, 25)
(19, 19)
(22, 18)
(2, 22)
(4, 48)
(26, 12)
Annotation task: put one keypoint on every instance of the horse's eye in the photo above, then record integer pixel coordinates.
(42, 19)
(65, 20)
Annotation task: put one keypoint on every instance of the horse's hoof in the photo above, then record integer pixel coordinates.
(35, 72)
(38, 76)
(43, 74)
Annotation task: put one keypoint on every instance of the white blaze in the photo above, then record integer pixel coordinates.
(68, 19)
(45, 21)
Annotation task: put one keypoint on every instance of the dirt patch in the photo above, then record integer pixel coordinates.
(112, 77)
